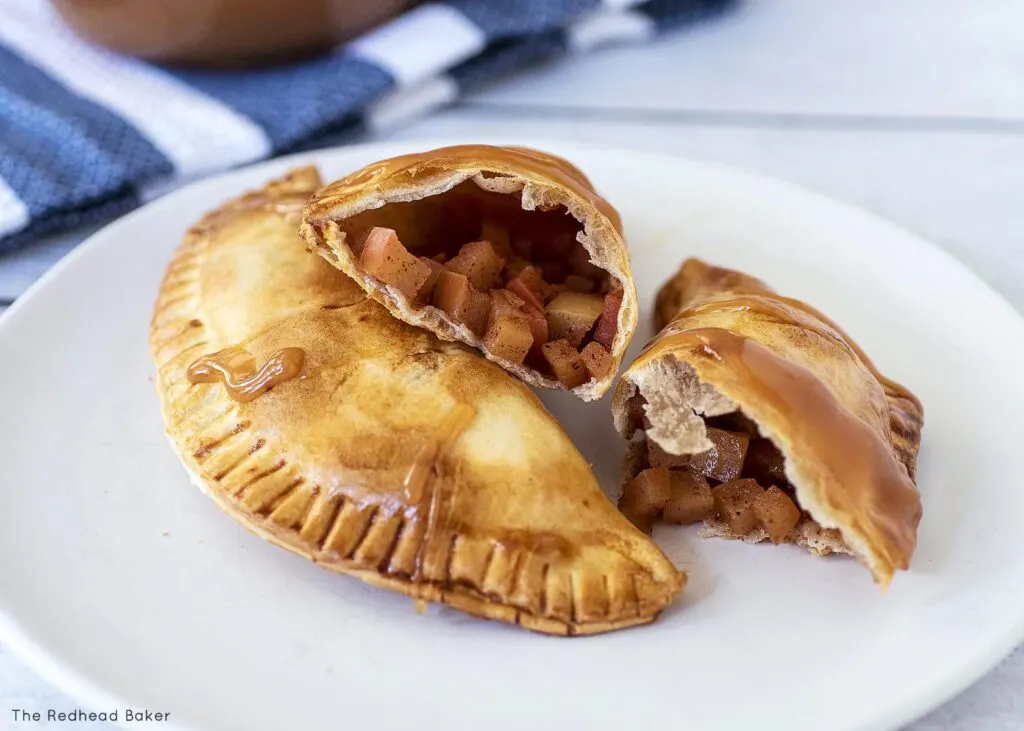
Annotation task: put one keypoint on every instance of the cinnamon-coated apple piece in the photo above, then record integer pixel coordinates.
(645, 496)
(508, 332)
(463, 303)
(565, 362)
(384, 258)
(528, 284)
(571, 315)
(734, 504)
(608, 325)
(479, 263)
(777, 513)
(691, 498)
(724, 461)
(596, 360)
(427, 290)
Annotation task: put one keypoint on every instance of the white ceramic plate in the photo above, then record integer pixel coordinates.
(127, 587)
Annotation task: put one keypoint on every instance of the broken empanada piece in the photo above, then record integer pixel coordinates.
(506, 249)
(328, 427)
(756, 413)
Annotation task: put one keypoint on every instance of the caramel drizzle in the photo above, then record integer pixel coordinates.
(490, 158)
(789, 311)
(878, 494)
(427, 460)
(237, 371)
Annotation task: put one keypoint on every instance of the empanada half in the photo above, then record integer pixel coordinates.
(752, 401)
(506, 249)
(374, 449)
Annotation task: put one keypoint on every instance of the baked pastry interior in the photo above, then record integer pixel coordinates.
(519, 279)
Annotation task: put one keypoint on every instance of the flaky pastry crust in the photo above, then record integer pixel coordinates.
(541, 179)
(849, 435)
(503, 518)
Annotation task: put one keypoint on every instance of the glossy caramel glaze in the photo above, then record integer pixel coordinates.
(850, 436)
(788, 311)
(854, 453)
(237, 372)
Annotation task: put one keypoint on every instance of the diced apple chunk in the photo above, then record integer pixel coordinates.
(777, 513)
(479, 263)
(384, 258)
(456, 296)
(528, 284)
(565, 362)
(645, 496)
(538, 326)
(734, 504)
(508, 336)
(608, 325)
(724, 461)
(427, 290)
(658, 457)
(571, 315)
(691, 498)
(596, 360)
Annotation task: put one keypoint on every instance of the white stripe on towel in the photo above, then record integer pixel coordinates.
(609, 26)
(420, 43)
(620, 4)
(13, 213)
(405, 104)
(194, 131)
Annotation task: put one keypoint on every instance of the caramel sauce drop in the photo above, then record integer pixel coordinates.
(236, 369)
(426, 461)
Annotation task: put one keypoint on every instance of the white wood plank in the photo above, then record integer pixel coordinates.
(913, 57)
(962, 191)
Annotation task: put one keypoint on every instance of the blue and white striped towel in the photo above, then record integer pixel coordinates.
(86, 134)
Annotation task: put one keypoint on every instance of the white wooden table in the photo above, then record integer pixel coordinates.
(913, 109)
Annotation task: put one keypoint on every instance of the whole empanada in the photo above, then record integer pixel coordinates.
(506, 249)
(344, 435)
(770, 422)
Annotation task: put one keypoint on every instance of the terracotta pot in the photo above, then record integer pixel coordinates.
(224, 32)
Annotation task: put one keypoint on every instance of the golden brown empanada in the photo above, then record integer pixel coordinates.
(747, 401)
(340, 433)
(506, 249)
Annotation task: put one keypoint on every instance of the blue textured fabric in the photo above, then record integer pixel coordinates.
(59, 152)
(296, 102)
(522, 17)
(70, 160)
(503, 58)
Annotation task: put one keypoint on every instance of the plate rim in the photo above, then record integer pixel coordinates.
(34, 655)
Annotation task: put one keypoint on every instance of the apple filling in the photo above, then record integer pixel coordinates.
(741, 481)
(519, 280)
